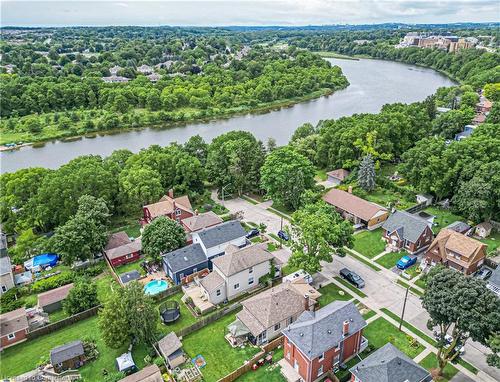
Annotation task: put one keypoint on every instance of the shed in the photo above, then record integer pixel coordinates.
(125, 363)
(127, 277)
(150, 373)
(170, 348)
(425, 198)
(483, 230)
(337, 176)
(67, 357)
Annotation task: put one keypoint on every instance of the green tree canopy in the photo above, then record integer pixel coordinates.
(81, 297)
(162, 235)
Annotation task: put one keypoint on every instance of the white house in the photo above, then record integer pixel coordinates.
(6, 276)
(236, 272)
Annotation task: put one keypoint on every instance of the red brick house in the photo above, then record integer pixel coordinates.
(173, 208)
(406, 231)
(125, 252)
(13, 328)
(457, 251)
(318, 342)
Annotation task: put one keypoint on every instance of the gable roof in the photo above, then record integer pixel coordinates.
(54, 295)
(165, 205)
(270, 307)
(237, 261)
(339, 174)
(13, 321)
(116, 240)
(316, 332)
(352, 204)
(200, 221)
(66, 352)
(221, 233)
(169, 344)
(185, 257)
(448, 240)
(408, 226)
(150, 373)
(212, 281)
(124, 250)
(388, 364)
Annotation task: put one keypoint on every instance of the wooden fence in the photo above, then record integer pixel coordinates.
(63, 323)
(167, 292)
(417, 208)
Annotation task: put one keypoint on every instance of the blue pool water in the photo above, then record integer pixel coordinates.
(155, 287)
(45, 259)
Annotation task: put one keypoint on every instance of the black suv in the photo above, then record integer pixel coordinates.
(352, 277)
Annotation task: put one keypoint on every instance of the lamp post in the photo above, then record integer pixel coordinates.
(223, 193)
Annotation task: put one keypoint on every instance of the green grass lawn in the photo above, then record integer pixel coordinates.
(430, 362)
(350, 286)
(271, 246)
(363, 260)
(320, 175)
(493, 242)
(24, 357)
(390, 259)
(413, 271)
(268, 373)
(369, 243)
(386, 197)
(288, 270)
(421, 282)
(133, 229)
(332, 292)
(221, 358)
(58, 315)
(106, 284)
(133, 266)
(256, 239)
(369, 314)
(410, 327)
(443, 218)
(381, 331)
(185, 319)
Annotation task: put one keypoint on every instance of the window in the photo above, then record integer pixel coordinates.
(288, 355)
(129, 256)
(321, 357)
(277, 326)
(4, 288)
(250, 280)
(290, 320)
(237, 286)
(178, 212)
(250, 270)
(320, 370)
(195, 270)
(218, 292)
(11, 336)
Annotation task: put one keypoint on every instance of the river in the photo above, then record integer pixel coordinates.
(373, 83)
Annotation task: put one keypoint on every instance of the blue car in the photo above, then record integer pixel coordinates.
(406, 262)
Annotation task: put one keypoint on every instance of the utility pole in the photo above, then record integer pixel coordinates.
(223, 193)
(404, 306)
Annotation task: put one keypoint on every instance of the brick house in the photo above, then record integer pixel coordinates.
(13, 327)
(360, 212)
(176, 209)
(318, 342)
(460, 252)
(403, 230)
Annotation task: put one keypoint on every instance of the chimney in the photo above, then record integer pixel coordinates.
(196, 212)
(349, 189)
(345, 328)
(306, 302)
(171, 193)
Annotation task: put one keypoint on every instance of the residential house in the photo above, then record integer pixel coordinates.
(114, 70)
(13, 327)
(115, 79)
(117, 239)
(184, 262)
(150, 373)
(69, 356)
(389, 364)
(267, 313)
(479, 119)
(214, 240)
(459, 227)
(51, 300)
(170, 348)
(3, 242)
(494, 281)
(125, 253)
(484, 105)
(6, 275)
(337, 176)
(360, 212)
(176, 209)
(318, 342)
(456, 251)
(425, 198)
(198, 222)
(467, 132)
(403, 230)
(154, 77)
(145, 69)
(483, 230)
(236, 272)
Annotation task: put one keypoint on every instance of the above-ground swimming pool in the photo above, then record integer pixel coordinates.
(43, 260)
(155, 287)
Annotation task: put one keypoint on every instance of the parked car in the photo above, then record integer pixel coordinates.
(283, 235)
(252, 233)
(352, 277)
(448, 339)
(484, 273)
(406, 262)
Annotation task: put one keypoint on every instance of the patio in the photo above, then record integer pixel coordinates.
(288, 371)
(198, 297)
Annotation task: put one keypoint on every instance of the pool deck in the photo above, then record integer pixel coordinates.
(160, 275)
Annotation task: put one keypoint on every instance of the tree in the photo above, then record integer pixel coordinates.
(197, 148)
(81, 297)
(128, 314)
(366, 174)
(492, 91)
(493, 359)
(462, 307)
(140, 186)
(450, 123)
(317, 232)
(286, 175)
(162, 235)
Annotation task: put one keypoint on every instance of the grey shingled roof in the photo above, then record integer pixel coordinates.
(459, 226)
(130, 276)
(495, 277)
(408, 226)
(169, 344)
(66, 352)
(388, 364)
(221, 233)
(212, 281)
(237, 261)
(316, 332)
(185, 257)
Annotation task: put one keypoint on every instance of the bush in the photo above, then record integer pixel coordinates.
(9, 301)
(158, 361)
(52, 282)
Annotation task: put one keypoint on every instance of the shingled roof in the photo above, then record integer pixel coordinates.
(450, 240)
(117, 239)
(185, 257)
(237, 261)
(123, 250)
(388, 364)
(166, 205)
(13, 321)
(352, 204)
(66, 352)
(200, 221)
(316, 332)
(221, 233)
(408, 226)
(54, 295)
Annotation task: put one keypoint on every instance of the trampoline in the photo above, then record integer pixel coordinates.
(170, 311)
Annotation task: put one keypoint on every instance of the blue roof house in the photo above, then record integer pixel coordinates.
(184, 261)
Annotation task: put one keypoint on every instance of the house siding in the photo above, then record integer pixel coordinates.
(21, 335)
(242, 278)
(376, 222)
(124, 260)
(179, 275)
(7, 281)
(218, 250)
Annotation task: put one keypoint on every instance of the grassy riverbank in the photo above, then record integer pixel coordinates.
(185, 116)
(326, 54)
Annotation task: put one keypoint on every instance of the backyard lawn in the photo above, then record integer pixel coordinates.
(133, 266)
(442, 218)
(220, 357)
(185, 319)
(132, 229)
(390, 259)
(369, 243)
(332, 292)
(268, 373)
(381, 331)
(430, 362)
(385, 197)
(493, 242)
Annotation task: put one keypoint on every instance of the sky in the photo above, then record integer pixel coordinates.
(238, 12)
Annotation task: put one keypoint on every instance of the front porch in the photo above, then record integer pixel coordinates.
(197, 295)
(288, 371)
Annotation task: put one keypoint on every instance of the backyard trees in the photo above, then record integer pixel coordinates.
(285, 176)
(317, 232)
(126, 315)
(162, 235)
(493, 359)
(452, 122)
(461, 307)
(366, 174)
(139, 186)
(81, 297)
